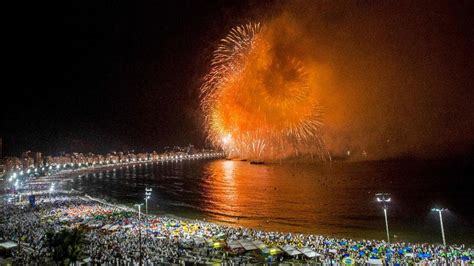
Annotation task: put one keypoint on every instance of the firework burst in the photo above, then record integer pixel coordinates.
(258, 101)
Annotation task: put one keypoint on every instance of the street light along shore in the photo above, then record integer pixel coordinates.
(440, 211)
(147, 197)
(384, 199)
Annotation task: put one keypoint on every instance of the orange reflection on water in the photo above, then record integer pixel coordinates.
(237, 192)
(305, 198)
(228, 170)
(220, 193)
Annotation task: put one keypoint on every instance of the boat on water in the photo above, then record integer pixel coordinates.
(257, 162)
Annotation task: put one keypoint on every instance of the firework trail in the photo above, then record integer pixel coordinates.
(257, 99)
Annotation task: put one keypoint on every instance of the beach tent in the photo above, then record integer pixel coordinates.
(234, 244)
(375, 262)
(8, 245)
(248, 247)
(218, 244)
(94, 225)
(287, 247)
(247, 244)
(308, 252)
(290, 250)
(113, 228)
(265, 251)
(107, 226)
(220, 235)
(293, 252)
(259, 244)
(272, 251)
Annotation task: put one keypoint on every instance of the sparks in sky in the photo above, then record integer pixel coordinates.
(258, 101)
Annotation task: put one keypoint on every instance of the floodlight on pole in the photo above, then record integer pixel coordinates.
(147, 196)
(440, 211)
(384, 199)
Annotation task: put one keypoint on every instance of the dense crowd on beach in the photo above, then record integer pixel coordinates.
(113, 235)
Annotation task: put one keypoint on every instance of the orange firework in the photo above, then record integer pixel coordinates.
(257, 99)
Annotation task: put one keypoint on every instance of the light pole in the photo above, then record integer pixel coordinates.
(441, 221)
(147, 196)
(384, 199)
(139, 230)
(51, 190)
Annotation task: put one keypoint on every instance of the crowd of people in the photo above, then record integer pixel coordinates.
(116, 235)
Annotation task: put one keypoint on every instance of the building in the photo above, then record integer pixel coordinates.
(191, 149)
(12, 163)
(26, 154)
(38, 160)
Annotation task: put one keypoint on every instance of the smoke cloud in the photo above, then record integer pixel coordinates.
(394, 78)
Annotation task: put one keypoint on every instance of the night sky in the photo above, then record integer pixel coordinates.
(109, 75)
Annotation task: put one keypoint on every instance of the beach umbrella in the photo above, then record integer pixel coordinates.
(217, 245)
(372, 261)
(265, 251)
(234, 244)
(293, 252)
(308, 252)
(348, 261)
(275, 250)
